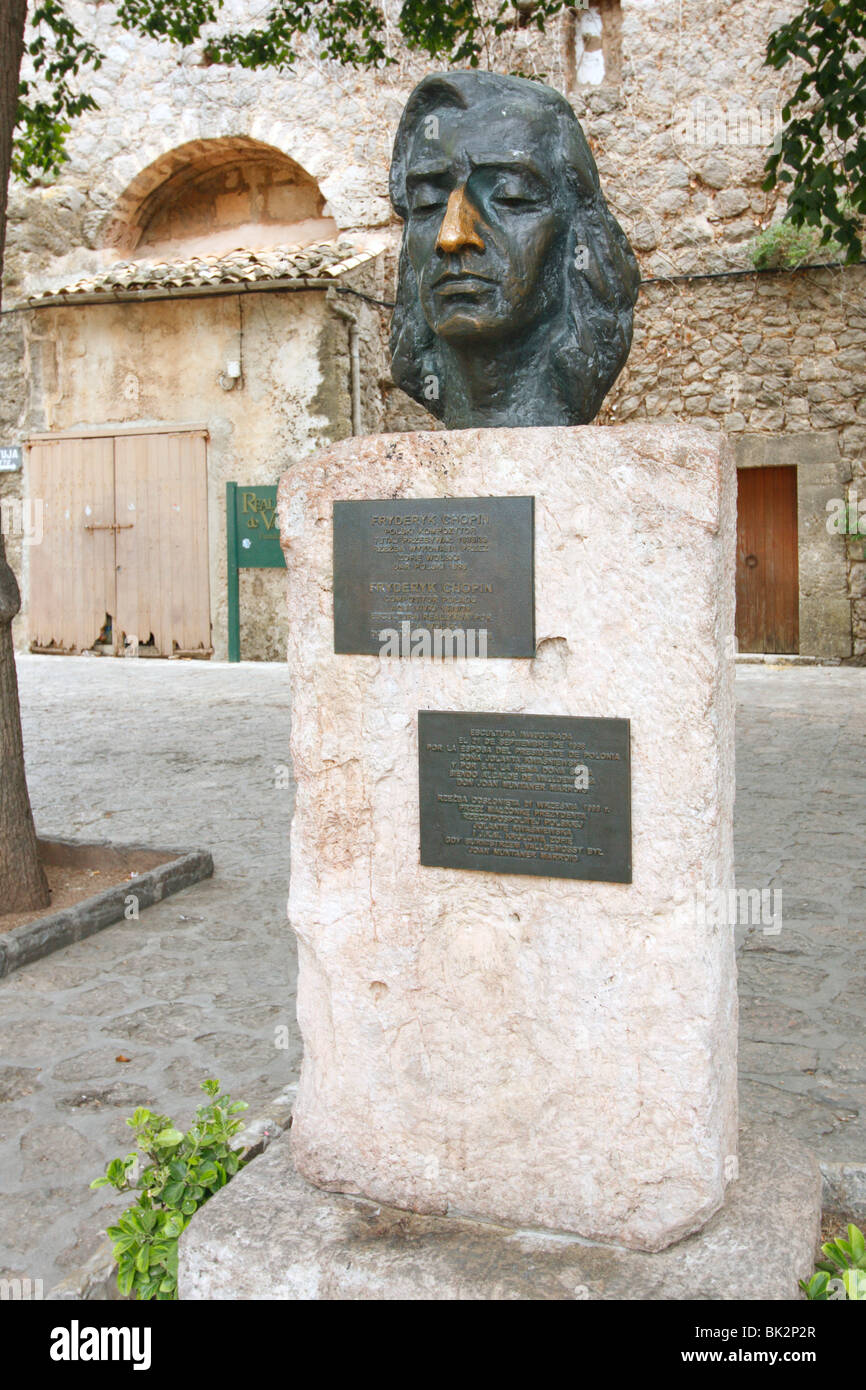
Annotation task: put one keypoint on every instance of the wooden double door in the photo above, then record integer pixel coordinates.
(123, 563)
(768, 587)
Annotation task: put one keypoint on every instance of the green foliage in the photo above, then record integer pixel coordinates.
(179, 21)
(58, 54)
(183, 1171)
(352, 32)
(461, 32)
(842, 1274)
(784, 244)
(822, 151)
(347, 31)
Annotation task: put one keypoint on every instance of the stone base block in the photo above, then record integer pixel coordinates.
(545, 1052)
(272, 1235)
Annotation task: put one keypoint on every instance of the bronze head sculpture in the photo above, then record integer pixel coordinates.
(516, 284)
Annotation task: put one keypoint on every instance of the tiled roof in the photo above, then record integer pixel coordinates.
(324, 259)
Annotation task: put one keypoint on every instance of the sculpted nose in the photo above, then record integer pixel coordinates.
(458, 224)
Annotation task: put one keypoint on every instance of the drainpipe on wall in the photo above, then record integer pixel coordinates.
(354, 356)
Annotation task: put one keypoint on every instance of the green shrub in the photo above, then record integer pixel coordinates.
(784, 245)
(182, 1172)
(842, 1275)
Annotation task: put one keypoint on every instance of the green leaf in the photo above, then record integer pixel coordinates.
(169, 1138)
(837, 1253)
(170, 1188)
(122, 1244)
(815, 1288)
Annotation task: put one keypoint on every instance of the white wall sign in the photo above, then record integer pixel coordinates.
(10, 458)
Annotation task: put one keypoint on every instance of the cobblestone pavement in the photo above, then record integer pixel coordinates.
(800, 826)
(189, 754)
(168, 753)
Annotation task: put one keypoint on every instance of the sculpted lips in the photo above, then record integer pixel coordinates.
(461, 282)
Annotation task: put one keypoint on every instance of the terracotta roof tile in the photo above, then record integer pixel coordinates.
(329, 259)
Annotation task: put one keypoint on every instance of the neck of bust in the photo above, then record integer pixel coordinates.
(495, 384)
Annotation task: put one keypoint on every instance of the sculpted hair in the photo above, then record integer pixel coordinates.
(591, 335)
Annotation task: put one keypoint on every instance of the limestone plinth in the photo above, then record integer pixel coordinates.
(269, 1234)
(539, 1052)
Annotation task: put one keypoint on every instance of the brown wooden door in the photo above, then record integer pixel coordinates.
(162, 563)
(768, 590)
(71, 581)
(124, 548)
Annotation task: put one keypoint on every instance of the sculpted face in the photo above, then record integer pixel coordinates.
(484, 217)
(516, 285)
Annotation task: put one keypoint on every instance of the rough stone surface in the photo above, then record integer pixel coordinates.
(33, 940)
(845, 1188)
(223, 780)
(271, 1235)
(802, 1044)
(120, 362)
(551, 1053)
(96, 1279)
(657, 64)
(200, 985)
(822, 475)
(679, 108)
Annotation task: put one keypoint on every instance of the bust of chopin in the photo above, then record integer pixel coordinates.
(516, 284)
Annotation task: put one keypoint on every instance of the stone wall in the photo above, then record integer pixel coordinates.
(679, 110)
(160, 362)
(770, 358)
(660, 111)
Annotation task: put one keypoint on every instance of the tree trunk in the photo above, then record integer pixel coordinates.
(22, 878)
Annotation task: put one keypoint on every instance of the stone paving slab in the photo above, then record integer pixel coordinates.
(203, 984)
(138, 751)
(800, 827)
(40, 937)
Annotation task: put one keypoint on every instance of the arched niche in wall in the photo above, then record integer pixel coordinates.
(211, 196)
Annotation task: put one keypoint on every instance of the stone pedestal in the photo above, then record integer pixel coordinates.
(270, 1234)
(544, 1053)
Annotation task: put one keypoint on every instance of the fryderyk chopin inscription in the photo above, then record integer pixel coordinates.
(435, 577)
(526, 794)
(516, 284)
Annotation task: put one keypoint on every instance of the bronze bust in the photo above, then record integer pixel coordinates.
(516, 284)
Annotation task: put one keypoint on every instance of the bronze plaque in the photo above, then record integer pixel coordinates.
(526, 794)
(435, 576)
